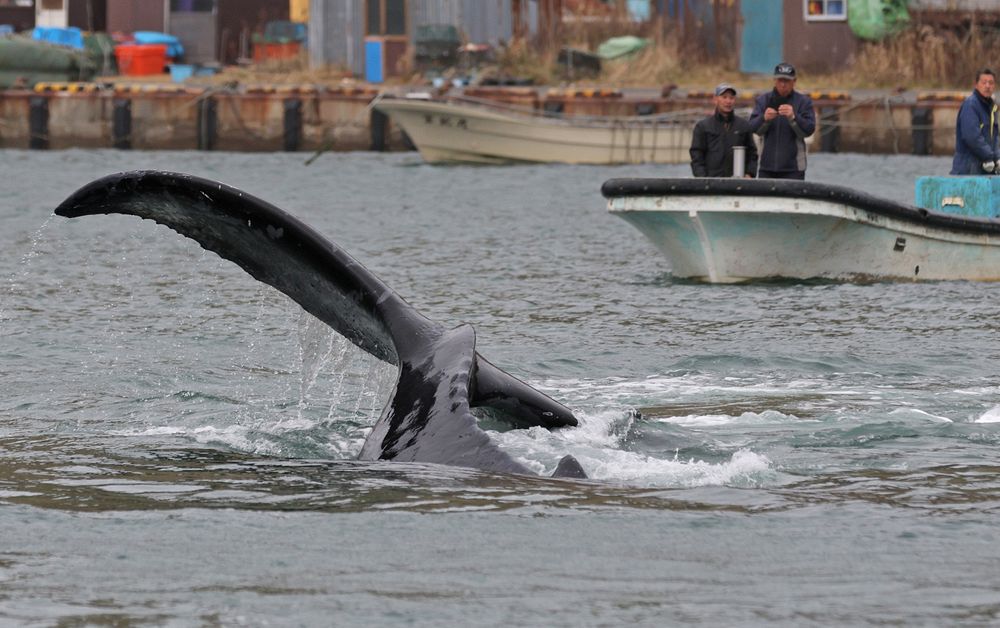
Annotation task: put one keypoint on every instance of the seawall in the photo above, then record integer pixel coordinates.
(310, 118)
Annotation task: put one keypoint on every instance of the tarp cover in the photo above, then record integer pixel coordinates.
(876, 19)
(618, 47)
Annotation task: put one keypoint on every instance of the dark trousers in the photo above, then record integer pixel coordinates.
(771, 174)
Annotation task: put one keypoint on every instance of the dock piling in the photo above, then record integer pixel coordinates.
(38, 123)
(208, 123)
(293, 124)
(922, 125)
(121, 124)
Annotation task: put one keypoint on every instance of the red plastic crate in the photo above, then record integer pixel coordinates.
(265, 51)
(141, 60)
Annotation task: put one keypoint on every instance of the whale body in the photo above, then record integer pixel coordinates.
(441, 377)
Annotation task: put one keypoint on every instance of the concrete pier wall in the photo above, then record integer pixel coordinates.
(181, 120)
(145, 117)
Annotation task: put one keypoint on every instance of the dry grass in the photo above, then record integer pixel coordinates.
(276, 72)
(922, 56)
(662, 63)
(919, 57)
(522, 60)
(588, 31)
(667, 60)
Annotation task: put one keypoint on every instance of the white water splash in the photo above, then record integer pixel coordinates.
(991, 416)
(316, 344)
(768, 417)
(25, 267)
(921, 415)
(595, 444)
(744, 468)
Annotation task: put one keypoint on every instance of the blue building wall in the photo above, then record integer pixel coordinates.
(762, 45)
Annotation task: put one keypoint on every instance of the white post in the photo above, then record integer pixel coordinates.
(739, 161)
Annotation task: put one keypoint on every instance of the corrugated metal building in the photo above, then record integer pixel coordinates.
(337, 34)
(125, 16)
(482, 21)
(337, 28)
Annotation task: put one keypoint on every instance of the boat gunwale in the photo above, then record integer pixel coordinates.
(683, 118)
(806, 190)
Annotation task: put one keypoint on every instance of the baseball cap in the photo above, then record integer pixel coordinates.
(784, 70)
(722, 88)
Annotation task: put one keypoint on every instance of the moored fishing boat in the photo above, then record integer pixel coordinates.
(462, 130)
(734, 230)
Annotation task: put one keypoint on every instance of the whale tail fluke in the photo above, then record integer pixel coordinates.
(441, 377)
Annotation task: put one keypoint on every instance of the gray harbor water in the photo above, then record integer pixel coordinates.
(177, 440)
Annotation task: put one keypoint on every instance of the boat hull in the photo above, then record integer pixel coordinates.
(729, 238)
(446, 132)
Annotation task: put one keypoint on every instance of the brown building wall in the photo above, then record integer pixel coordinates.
(94, 18)
(126, 16)
(238, 20)
(816, 46)
(21, 18)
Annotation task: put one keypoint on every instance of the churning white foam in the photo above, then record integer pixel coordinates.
(767, 417)
(595, 444)
(991, 416)
(915, 413)
(744, 468)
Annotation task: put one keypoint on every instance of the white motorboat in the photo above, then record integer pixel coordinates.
(468, 131)
(734, 230)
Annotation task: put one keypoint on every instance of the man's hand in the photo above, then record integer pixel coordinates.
(770, 114)
(990, 167)
(787, 111)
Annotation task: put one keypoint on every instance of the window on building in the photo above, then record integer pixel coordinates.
(192, 6)
(386, 17)
(52, 5)
(818, 10)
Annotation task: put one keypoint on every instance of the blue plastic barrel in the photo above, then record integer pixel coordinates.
(374, 59)
(174, 47)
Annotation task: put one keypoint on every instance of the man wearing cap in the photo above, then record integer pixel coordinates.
(715, 136)
(784, 118)
(976, 131)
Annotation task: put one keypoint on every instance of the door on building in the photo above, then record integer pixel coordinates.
(763, 35)
(51, 13)
(386, 38)
(194, 23)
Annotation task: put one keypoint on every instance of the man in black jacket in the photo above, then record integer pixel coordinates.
(715, 136)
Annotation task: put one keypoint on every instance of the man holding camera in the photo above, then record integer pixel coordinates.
(976, 132)
(783, 118)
